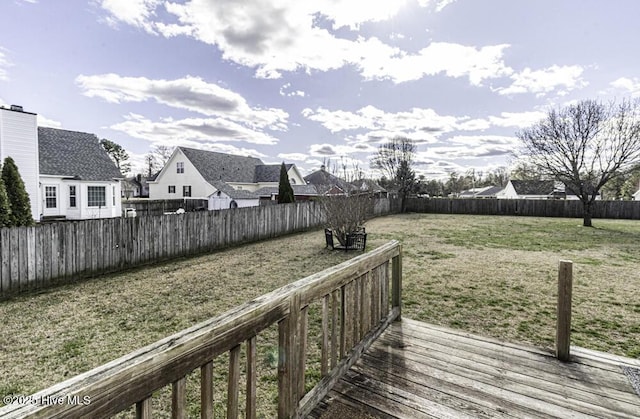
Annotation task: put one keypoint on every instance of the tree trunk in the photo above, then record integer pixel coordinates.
(586, 221)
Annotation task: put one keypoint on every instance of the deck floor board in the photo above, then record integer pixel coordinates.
(417, 370)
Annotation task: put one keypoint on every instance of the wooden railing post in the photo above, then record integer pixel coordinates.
(563, 328)
(288, 360)
(396, 282)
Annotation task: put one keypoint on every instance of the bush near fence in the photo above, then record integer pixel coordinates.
(526, 207)
(56, 253)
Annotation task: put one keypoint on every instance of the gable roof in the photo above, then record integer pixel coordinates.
(481, 192)
(368, 185)
(533, 187)
(298, 190)
(216, 167)
(269, 172)
(490, 191)
(74, 154)
(234, 193)
(325, 181)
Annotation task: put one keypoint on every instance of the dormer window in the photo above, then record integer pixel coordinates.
(292, 181)
(180, 167)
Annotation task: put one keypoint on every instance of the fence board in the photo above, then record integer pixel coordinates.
(524, 207)
(39, 256)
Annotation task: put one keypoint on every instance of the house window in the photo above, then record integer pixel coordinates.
(96, 196)
(172, 188)
(186, 191)
(51, 198)
(292, 181)
(180, 167)
(113, 195)
(72, 196)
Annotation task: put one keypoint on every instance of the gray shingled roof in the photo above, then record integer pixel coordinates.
(298, 190)
(533, 187)
(368, 185)
(222, 167)
(325, 181)
(74, 154)
(491, 191)
(269, 172)
(234, 193)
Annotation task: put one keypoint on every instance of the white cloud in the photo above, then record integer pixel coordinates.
(46, 122)
(284, 35)
(631, 86)
(190, 93)
(453, 60)
(293, 156)
(439, 4)
(352, 13)
(133, 12)
(516, 119)
(285, 91)
(544, 81)
(202, 130)
(332, 150)
(417, 120)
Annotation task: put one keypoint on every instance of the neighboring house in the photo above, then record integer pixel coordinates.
(537, 189)
(370, 186)
(135, 187)
(483, 192)
(78, 180)
(19, 140)
(636, 195)
(328, 184)
(226, 180)
(300, 193)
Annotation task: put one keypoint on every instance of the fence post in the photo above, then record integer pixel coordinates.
(288, 374)
(396, 282)
(563, 328)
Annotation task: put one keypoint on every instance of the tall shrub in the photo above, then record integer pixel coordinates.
(285, 191)
(5, 209)
(17, 195)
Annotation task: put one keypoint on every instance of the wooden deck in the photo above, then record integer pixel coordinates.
(417, 370)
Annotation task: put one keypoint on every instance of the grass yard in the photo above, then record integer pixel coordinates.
(495, 276)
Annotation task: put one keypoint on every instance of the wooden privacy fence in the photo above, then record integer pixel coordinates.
(356, 308)
(47, 254)
(526, 207)
(150, 207)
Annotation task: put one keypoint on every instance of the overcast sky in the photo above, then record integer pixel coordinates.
(300, 81)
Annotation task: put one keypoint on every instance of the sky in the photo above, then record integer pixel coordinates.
(308, 82)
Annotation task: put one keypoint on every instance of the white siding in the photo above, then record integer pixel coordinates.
(159, 189)
(19, 140)
(82, 211)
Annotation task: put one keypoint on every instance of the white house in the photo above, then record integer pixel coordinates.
(225, 180)
(19, 140)
(78, 180)
(537, 189)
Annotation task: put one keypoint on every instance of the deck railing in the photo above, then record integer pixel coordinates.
(356, 308)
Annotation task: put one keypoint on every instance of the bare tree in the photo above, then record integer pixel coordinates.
(162, 154)
(585, 145)
(345, 214)
(395, 160)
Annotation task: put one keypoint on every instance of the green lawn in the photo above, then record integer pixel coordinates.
(495, 276)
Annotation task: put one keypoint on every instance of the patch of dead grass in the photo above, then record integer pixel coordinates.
(456, 273)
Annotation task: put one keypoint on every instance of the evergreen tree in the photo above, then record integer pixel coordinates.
(118, 154)
(5, 209)
(17, 195)
(285, 191)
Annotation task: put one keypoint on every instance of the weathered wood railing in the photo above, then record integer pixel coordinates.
(356, 308)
